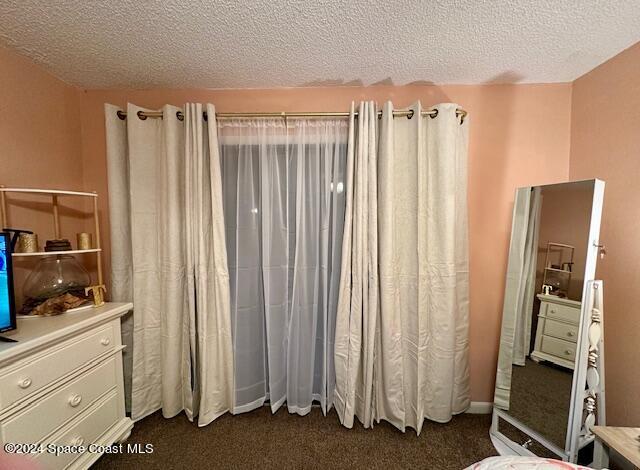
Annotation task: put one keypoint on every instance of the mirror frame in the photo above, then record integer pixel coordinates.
(573, 443)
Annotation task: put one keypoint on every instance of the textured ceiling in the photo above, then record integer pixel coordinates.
(275, 43)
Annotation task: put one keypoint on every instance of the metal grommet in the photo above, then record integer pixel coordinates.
(410, 115)
(121, 115)
(180, 116)
(433, 113)
(141, 115)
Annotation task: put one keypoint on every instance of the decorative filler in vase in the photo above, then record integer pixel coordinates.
(56, 285)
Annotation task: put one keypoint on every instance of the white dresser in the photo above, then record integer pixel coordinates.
(557, 330)
(61, 384)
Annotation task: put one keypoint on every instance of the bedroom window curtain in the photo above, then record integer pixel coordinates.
(163, 181)
(207, 273)
(283, 185)
(358, 302)
(404, 357)
(293, 261)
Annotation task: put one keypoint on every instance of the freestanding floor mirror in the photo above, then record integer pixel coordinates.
(550, 377)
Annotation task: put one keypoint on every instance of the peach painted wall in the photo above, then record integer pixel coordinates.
(519, 135)
(40, 140)
(605, 143)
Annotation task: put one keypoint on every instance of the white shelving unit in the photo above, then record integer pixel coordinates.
(54, 194)
(558, 248)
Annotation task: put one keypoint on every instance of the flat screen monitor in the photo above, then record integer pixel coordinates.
(7, 301)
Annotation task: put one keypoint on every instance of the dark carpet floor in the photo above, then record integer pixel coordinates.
(540, 398)
(262, 440)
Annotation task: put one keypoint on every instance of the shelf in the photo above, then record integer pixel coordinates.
(562, 245)
(54, 196)
(47, 191)
(556, 270)
(54, 253)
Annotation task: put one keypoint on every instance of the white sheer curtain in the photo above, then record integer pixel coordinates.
(417, 353)
(181, 346)
(283, 184)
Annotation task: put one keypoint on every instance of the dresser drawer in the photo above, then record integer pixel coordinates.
(559, 348)
(562, 313)
(49, 366)
(54, 410)
(561, 330)
(85, 430)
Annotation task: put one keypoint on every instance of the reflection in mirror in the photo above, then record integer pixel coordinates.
(528, 442)
(542, 307)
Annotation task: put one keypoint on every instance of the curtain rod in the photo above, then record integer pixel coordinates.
(432, 113)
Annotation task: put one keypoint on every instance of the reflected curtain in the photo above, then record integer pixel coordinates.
(283, 185)
(162, 178)
(527, 280)
(519, 290)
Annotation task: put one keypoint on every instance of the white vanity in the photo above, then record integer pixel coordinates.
(557, 331)
(61, 384)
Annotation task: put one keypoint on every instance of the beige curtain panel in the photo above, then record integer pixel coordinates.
(358, 298)
(403, 357)
(120, 225)
(207, 272)
(148, 165)
(163, 184)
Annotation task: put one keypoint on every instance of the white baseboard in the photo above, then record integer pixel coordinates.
(480, 408)
(475, 408)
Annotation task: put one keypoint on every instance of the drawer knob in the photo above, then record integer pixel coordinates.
(570, 333)
(74, 400)
(568, 352)
(105, 341)
(25, 383)
(553, 310)
(77, 441)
